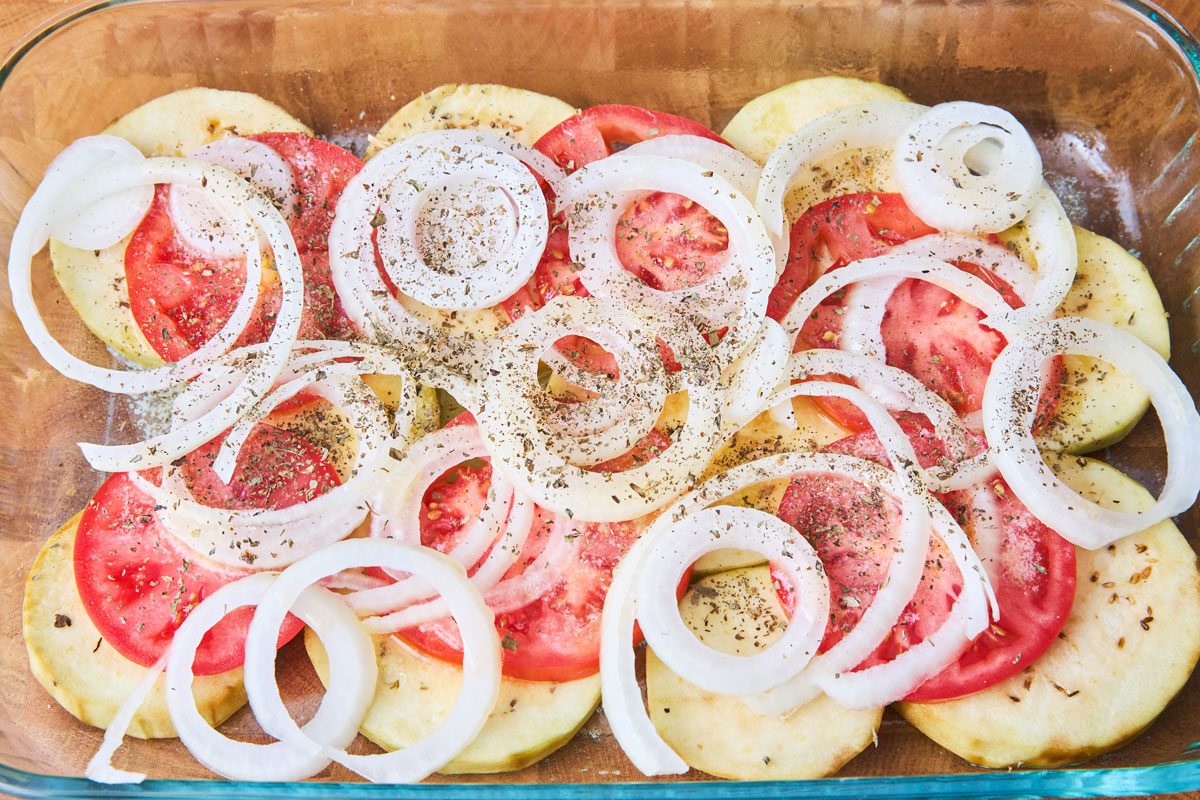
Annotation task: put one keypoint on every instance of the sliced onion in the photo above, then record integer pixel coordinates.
(986, 534)
(107, 221)
(519, 449)
(364, 295)
(33, 232)
(755, 374)
(1010, 403)
(968, 168)
(483, 211)
(541, 577)
(203, 225)
(1054, 247)
(594, 198)
(100, 768)
(487, 577)
(730, 163)
(698, 534)
(623, 705)
(397, 508)
(235, 196)
(352, 681)
(850, 128)
(481, 657)
(898, 390)
(955, 248)
(974, 290)
(270, 538)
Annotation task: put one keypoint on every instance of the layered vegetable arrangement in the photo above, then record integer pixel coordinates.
(801, 405)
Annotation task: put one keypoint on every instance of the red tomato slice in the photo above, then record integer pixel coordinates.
(180, 298)
(600, 131)
(557, 637)
(854, 532)
(928, 332)
(138, 582)
(664, 239)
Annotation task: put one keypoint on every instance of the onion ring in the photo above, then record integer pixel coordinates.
(951, 190)
(595, 196)
(481, 656)
(516, 444)
(201, 224)
(850, 128)
(351, 689)
(108, 221)
(1010, 403)
(715, 528)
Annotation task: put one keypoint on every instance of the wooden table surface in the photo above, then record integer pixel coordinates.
(20, 17)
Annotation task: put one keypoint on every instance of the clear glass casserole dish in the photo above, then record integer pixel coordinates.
(1110, 89)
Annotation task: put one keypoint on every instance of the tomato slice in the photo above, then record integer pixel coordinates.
(600, 131)
(927, 331)
(557, 636)
(666, 240)
(138, 582)
(854, 531)
(181, 298)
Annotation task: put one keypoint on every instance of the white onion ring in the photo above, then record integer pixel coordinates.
(503, 188)
(31, 235)
(516, 444)
(678, 547)
(850, 128)
(397, 509)
(618, 680)
(107, 221)
(963, 284)
(755, 373)
(968, 616)
(481, 657)
(364, 295)
(353, 671)
(1052, 238)
(898, 390)
(100, 768)
(200, 223)
(270, 538)
(866, 302)
(991, 194)
(594, 198)
(730, 163)
(520, 590)
(1010, 403)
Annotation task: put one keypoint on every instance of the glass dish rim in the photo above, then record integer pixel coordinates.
(1167, 777)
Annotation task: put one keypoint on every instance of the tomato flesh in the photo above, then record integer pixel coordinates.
(181, 298)
(927, 331)
(666, 240)
(853, 530)
(138, 582)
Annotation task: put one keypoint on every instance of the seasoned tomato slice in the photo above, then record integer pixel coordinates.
(557, 636)
(854, 530)
(666, 240)
(138, 582)
(181, 298)
(927, 331)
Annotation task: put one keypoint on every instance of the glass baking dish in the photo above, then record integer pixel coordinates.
(1109, 88)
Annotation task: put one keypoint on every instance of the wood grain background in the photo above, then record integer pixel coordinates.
(19, 18)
